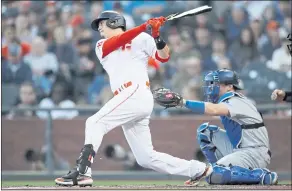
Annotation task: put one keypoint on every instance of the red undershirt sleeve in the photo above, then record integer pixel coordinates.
(111, 44)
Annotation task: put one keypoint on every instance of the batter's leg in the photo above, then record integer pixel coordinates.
(118, 111)
(139, 138)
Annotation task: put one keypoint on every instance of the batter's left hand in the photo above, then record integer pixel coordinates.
(155, 25)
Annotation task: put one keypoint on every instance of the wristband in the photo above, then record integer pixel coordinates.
(287, 94)
(197, 107)
(160, 44)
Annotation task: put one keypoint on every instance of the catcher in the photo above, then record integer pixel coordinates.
(239, 153)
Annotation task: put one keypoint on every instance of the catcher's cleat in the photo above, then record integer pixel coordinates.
(194, 181)
(74, 178)
(274, 178)
(270, 178)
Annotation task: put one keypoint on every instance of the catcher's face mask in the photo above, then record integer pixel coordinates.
(211, 87)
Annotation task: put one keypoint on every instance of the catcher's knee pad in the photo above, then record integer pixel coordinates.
(204, 137)
(85, 159)
(238, 175)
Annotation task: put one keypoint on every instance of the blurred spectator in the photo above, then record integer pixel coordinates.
(8, 33)
(60, 97)
(147, 9)
(24, 7)
(203, 42)
(27, 98)
(78, 8)
(219, 58)
(51, 22)
(78, 21)
(78, 26)
(34, 24)
(282, 10)
(25, 48)
(244, 50)
(268, 15)
(22, 30)
(256, 9)
(14, 70)
(272, 40)
(257, 31)
(65, 52)
(65, 17)
(88, 66)
(127, 6)
(95, 88)
(189, 72)
(281, 59)
(174, 42)
(237, 21)
(51, 7)
(203, 21)
(129, 19)
(43, 64)
(95, 10)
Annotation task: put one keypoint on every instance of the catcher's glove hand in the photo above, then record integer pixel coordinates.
(167, 98)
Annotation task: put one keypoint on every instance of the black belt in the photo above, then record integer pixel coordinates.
(252, 126)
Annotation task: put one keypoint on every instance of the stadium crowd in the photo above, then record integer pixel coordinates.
(48, 50)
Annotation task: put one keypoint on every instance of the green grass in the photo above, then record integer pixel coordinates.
(96, 182)
(104, 182)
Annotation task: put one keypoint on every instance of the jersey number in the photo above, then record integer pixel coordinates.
(127, 46)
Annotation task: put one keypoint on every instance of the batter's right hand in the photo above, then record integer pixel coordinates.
(155, 24)
(278, 95)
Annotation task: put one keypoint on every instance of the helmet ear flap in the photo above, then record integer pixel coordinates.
(111, 23)
(116, 22)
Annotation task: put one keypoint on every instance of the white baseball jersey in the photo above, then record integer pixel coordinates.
(129, 62)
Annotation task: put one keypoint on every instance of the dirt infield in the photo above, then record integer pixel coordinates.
(155, 187)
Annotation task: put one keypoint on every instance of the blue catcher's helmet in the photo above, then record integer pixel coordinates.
(212, 81)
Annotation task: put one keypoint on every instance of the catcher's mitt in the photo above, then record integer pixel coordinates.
(167, 98)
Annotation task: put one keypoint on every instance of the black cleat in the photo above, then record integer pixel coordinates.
(74, 178)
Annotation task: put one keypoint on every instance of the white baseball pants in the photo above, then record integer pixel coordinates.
(131, 109)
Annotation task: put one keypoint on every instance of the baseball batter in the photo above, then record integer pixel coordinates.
(124, 55)
(239, 153)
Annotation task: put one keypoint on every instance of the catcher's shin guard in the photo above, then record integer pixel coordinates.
(239, 175)
(204, 137)
(81, 174)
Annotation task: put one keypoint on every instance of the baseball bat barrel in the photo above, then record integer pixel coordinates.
(192, 12)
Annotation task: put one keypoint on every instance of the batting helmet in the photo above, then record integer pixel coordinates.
(212, 81)
(114, 20)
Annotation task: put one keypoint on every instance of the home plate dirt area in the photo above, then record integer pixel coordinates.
(155, 187)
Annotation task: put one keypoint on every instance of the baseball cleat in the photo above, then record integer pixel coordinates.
(194, 181)
(274, 178)
(270, 178)
(74, 178)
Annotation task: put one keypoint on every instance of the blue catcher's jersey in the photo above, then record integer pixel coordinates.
(243, 113)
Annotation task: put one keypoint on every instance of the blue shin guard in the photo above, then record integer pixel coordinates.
(204, 137)
(239, 175)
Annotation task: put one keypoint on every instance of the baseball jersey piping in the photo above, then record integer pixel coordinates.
(119, 104)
